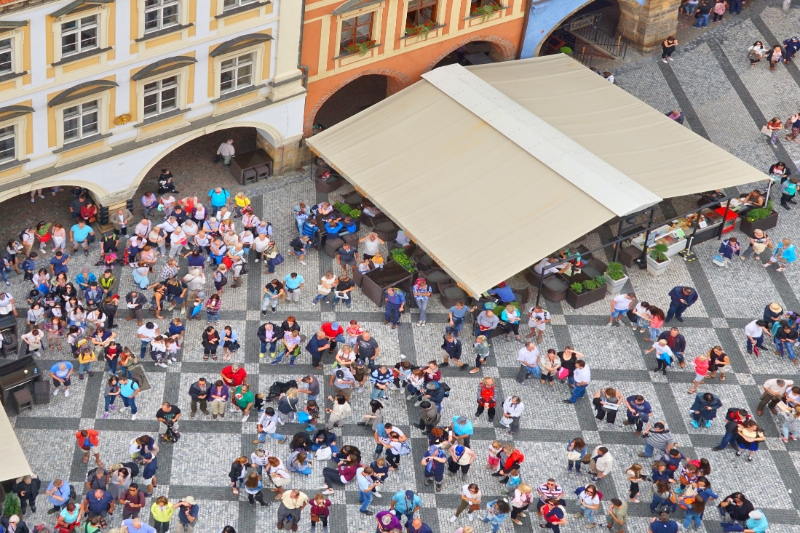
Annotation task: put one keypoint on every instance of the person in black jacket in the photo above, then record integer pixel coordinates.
(681, 299)
(301, 441)
(676, 342)
(19, 525)
(27, 489)
(290, 324)
(199, 394)
(452, 350)
(736, 506)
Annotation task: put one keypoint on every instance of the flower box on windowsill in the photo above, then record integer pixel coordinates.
(346, 58)
(413, 38)
(479, 18)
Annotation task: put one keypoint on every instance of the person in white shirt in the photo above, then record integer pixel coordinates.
(177, 240)
(528, 357)
(227, 151)
(371, 245)
(774, 389)
(542, 267)
(143, 228)
(189, 227)
(267, 426)
(512, 411)
(754, 331)
(583, 377)
(538, 318)
(601, 464)
(33, 340)
(664, 355)
(260, 243)
(620, 305)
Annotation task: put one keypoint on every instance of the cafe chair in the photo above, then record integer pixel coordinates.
(249, 176)
(262, 172)
(22, 399)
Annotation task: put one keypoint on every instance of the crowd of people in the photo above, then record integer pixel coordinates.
(218, 240)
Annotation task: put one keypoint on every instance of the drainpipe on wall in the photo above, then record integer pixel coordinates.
(304, 68)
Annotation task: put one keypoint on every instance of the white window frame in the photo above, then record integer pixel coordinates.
(20, 125)
(102, 13)
(17, 38)
(12, 62)
(259, 76)
(81, 113)
(103, 103)
(81, 26)
(234, 5)
(183, 91)
(160, 7)
(9, 135)
(158, 88)
(236, 57)
(183, 18)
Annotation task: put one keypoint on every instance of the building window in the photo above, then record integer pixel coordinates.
(79, 36)
(420, 12)
(236, 73)
(81, 121)
(6, 57)
(160, 14)
(233, 4)
(160, 96)
(8, 144)
(356, 30)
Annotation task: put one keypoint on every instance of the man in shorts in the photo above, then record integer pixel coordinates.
(538, 318)
(620, 305)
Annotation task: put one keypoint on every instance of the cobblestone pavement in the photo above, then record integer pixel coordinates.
(725, 101)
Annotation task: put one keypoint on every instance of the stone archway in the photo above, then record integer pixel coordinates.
(395, 81)
(502, 49)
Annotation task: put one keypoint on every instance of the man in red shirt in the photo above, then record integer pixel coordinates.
(333, 331)
(89, 442)
(233, 376)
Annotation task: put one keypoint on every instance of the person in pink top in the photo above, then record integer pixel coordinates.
(700, 370)
(656, 321)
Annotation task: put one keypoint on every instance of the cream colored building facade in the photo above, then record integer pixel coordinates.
(94, 92)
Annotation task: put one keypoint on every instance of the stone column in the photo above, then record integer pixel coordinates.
(644, 26)
(288, 80)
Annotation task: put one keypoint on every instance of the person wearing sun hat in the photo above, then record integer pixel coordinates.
(772, 313)
(187, 514)
(757, 523)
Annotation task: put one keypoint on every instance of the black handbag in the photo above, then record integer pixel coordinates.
(217, 158)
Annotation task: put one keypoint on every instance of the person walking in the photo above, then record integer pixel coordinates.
(470, 500)
(128, 390)
(658, 438)
(589, 504)
(583, 377)
(701, 365)
(681, 298)
(620, 305)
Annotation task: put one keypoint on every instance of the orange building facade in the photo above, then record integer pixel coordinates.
(399, 40)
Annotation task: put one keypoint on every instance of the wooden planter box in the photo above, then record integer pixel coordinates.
(764, 224)
(586, 297)
(374, 283)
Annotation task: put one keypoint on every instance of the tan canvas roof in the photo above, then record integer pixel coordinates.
(12, 460)
(493, 167)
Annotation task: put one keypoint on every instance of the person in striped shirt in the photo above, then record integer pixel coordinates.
(549, 490)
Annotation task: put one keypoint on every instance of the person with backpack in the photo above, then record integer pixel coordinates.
(395, 301)
(434, 461)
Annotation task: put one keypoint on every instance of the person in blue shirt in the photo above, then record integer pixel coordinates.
(58, 264)
(456, 317)
(84, 278)
(705, 494)
(418, 526)
(405, 503)
(395, 303)
(784, 255)
(757, 523)
(61, 374)
(504, 293)
(462, 429)
(663, 524)
(496, 513)
(218, 197)
(79, 234)
(333, 226)
(681, 298)
(135, 525)
(29, 265)
(58, 495)
(350, 226)
(293, 283)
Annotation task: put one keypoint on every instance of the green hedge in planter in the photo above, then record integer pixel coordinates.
(401, 258)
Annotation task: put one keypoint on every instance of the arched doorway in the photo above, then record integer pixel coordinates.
(476, 50)
(353, 98)
(591, 31)
(193, 165)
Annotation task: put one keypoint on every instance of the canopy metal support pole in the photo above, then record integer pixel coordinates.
(724, 219)
(643, 258)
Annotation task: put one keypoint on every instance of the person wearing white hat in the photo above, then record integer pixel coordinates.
(757, 523)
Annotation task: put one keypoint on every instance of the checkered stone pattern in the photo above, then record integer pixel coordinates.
(706, 81)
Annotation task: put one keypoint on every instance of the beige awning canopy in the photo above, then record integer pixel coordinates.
(12, 459)
(493, 167)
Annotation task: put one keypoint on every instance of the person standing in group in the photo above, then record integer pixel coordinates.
(161, 512)
(771, 130)
(669, 45)
(395, 301)
(187, 514)
(702, 14)
(784, 255)
(719, 10)
(775, 56)
(620, 305)
(583, 377)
